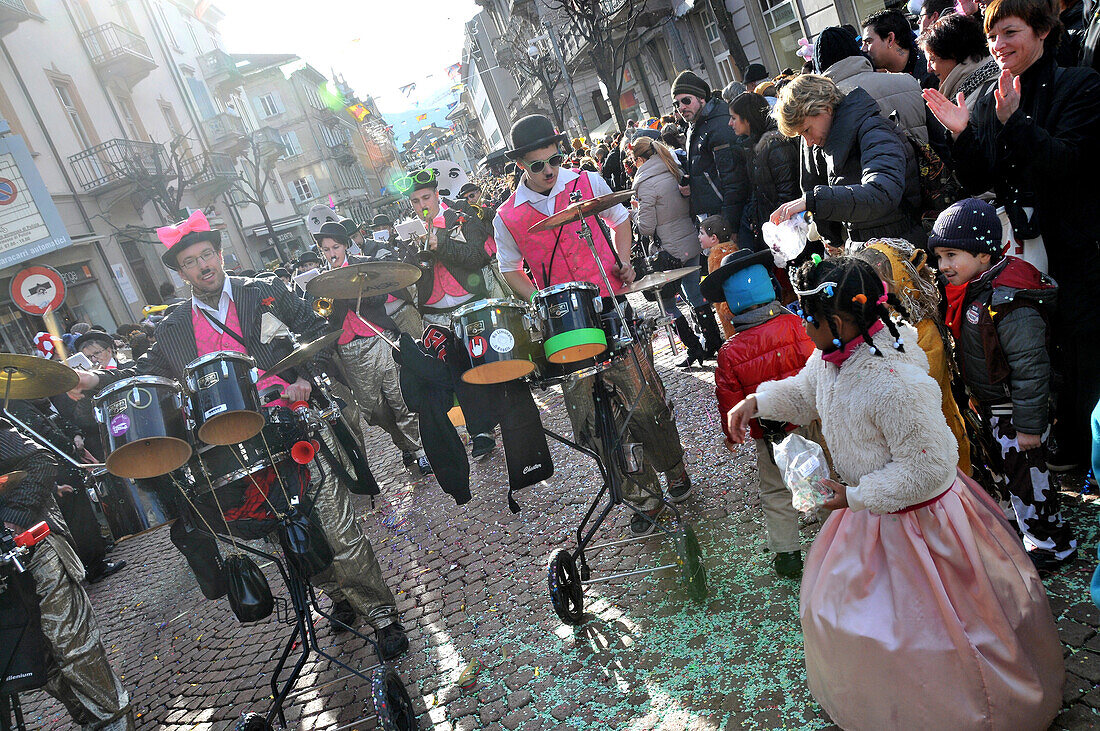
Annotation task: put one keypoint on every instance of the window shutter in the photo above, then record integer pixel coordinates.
(293, 193)
(279, 108)
(314, 191)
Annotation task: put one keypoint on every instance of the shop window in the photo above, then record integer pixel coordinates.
(783, 30)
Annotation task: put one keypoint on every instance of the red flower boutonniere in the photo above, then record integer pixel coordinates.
(461, 219)
(268, 301)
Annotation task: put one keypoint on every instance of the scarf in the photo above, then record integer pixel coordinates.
(838, 356)
(956, 298)
(757, 315)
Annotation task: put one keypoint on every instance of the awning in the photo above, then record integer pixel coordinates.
(282, 224)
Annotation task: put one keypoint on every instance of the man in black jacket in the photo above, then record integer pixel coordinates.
(256, 306)
(454, 262)
(718, 180)
(81, 676)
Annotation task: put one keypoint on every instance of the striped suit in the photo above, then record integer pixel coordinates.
(355, 573)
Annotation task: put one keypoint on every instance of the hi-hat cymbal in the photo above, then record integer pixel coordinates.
(582, 209)
(367, 279)
(656, 280)
(31, 377)
(304, 353)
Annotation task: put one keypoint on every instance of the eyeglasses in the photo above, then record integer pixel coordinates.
(406, 183)
(684, 101)
(93, 354)
(536, 166)
(192, 261)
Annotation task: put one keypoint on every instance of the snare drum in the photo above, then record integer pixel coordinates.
(224, 403)
(143, 426)
(500, 337)
(570, 318)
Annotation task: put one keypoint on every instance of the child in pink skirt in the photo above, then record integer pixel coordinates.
(919, 606)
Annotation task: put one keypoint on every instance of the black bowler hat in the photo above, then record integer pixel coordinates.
(711, 286)
(350, 227)
(381, 220)
(95, 336)
(307, 257)
(467, 189)
(531, 133)
(332, 230)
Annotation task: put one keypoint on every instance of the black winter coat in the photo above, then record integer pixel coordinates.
(1045, 157)
(717, 166)
(863, 183)
(1004, 356)
(773, 170)
(461, 250)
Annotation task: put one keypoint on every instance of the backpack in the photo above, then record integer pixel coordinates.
(939, 187)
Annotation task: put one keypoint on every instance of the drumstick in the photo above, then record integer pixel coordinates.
(359, 303)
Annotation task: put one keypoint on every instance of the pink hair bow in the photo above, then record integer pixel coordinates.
(885, 295)
(805, 50)
(170, 235)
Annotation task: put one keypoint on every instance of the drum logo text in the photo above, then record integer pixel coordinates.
(116, 407)
(475, 328)
(559, 309)
(207, 380)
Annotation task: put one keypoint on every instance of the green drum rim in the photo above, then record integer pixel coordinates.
(571, 338)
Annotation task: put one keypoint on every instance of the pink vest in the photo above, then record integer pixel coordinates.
(573, 261)
(445, 283)
(209, 339)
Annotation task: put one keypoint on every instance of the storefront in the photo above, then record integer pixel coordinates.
(290, 238)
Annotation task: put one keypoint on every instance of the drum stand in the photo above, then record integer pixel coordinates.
(392, 704)
(569, 570)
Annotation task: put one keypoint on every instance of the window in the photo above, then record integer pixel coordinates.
(303, 189)
(202, 97)
(485, 109)
(276, 187)
(126, 15)
(725, 68)
(710, 26)
(194, 37)
(312, 96)
(171, 119)
(168, 29)
(269, 105)
(784, 30)
(73, 110)
(83, 14)
(290, 142)
(496, 139)
(130, 119)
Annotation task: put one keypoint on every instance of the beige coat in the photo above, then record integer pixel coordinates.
(881, 420)
(662, 210)
(900, 92)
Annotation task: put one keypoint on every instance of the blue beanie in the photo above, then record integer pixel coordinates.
(747, 288)
(969, 225)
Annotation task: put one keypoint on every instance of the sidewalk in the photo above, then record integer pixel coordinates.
(471, 584)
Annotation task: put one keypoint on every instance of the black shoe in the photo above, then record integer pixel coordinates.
(105, 569)
(343, 616)
(640, 525)
(482, 445)
(692, 357)
(392, 641)
(1060, 461)
(424, 466)
(679, 484)
(789, 564)
(408, 459)
(1046, 562)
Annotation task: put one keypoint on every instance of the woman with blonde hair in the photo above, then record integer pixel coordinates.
(665, 216)
(859, 177)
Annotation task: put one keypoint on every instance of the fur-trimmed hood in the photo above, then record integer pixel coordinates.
(881, 419)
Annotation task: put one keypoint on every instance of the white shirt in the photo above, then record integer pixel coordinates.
(223, 303)
(508, 254)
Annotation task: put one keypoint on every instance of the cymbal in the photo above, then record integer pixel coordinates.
(304, 353)
(656, 280)
(369, 279)
(582, 209)
(32, 377)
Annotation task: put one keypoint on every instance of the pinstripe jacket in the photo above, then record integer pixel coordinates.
(175, 335)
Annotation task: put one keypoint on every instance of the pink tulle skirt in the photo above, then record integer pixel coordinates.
(929, 619)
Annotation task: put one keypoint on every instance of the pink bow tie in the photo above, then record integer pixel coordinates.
(170, 235)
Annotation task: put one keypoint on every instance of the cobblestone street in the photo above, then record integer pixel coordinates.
(472, 587)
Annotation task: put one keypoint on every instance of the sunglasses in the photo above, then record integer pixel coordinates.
(405, 184)
(683, 101)
(536, 166)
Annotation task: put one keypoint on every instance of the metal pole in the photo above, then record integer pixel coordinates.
(565, 75)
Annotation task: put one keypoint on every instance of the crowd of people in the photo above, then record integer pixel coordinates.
(934, 333)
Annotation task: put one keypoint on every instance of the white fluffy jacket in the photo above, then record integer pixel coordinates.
(881, 419)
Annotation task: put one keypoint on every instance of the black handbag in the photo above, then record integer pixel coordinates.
(24, 652)
(304, 544)
(249, 593)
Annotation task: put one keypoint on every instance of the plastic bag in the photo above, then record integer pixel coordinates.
(787, 240)
(803, 466)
